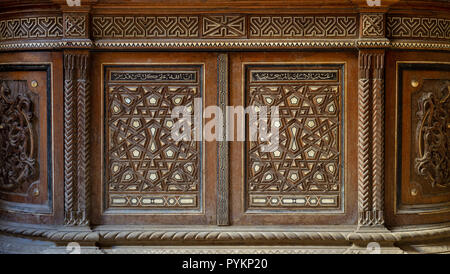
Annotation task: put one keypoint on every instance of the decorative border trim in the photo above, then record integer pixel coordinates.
(148, 235)
(371, 138)
(72, 30)
(223, 44)
(418, 27)
(222, 146)
(5, 46)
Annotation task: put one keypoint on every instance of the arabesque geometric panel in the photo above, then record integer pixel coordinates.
(304, 172)
(145, 167)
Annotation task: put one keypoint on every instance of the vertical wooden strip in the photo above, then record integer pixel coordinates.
(378, 140)
(364, 172)
(70, 174)
(222, 149)
(83, 109)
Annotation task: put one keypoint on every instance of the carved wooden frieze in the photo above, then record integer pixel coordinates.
(305, 171)
(373, 25)
(75, 25)
(131, 27)
(18, 140)
(303, 26)
(431, 143)
(76, 139)
(417, 27)
(37, 27)
(74, 29)
(145, 167)
(224, 26)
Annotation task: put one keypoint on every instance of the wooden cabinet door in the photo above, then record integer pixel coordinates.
(147, 177)
(311, 177)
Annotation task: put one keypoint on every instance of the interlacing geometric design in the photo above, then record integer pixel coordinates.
(305, 170)
(418, 27)
(371, 138)
(145, 27)
(223, 26)
(146, 167)
(303, 26)
(31, 27)
(373, 25)
(74, 25)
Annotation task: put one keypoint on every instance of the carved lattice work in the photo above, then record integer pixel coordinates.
(305, 170)
(146, 167)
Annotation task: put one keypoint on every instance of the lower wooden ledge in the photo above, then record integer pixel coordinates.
(332, 238)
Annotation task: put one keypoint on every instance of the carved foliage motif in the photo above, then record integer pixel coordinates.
(418, 27)
(303, 26)
(146, 167)
(372, 25)
(31, 27)
(305, 170)
(432, 144)
(18, 165)
(145, 27)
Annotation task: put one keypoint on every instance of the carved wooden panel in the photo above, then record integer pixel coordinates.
(305, 172)
(18, 138)
(303, 26)
(145, 167)
(430, 142)
(25, 177)
(423, 152)
(417, 27)
(36, 27)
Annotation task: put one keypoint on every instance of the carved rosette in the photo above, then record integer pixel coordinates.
(432, 161)
(371, 138)
(18, 165)
(76, 139)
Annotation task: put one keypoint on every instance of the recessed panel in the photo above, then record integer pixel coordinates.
(304, 172)
(25, 136)
(423, 154)
(145, 167)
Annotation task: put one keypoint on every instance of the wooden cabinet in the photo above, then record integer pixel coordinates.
(358, 95)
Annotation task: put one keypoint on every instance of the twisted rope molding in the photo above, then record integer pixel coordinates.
(52, 234)
(101, 234)
(221, 236)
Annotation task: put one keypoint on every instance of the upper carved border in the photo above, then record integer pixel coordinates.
(197, 31)
(406, 27)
